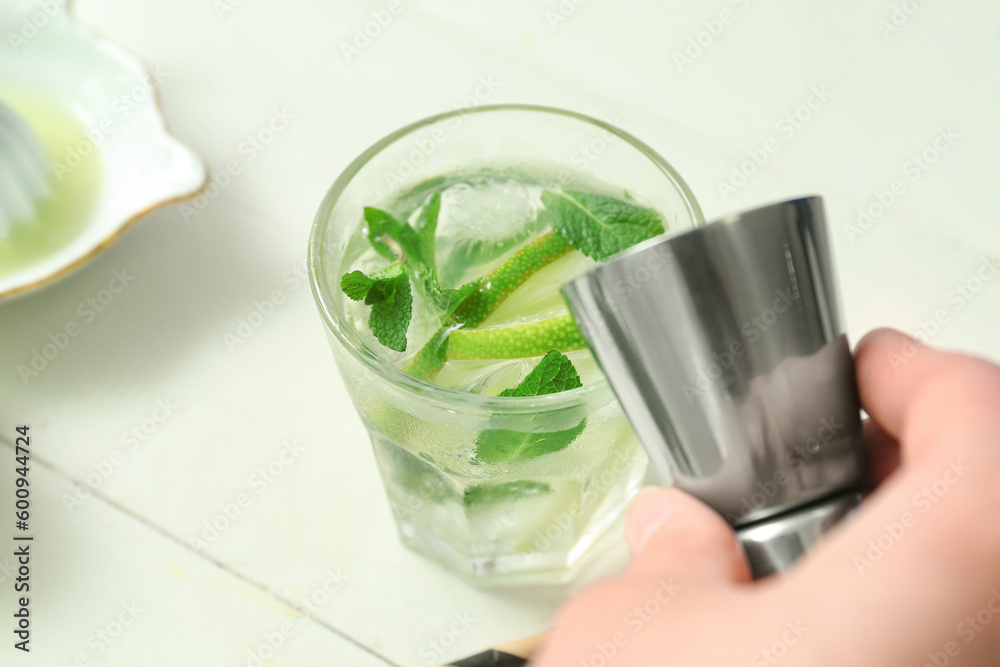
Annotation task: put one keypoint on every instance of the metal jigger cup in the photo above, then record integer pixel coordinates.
(726, 349)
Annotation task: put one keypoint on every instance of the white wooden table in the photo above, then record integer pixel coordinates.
(161, 418)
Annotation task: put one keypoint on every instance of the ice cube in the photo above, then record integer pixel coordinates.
(482, 221)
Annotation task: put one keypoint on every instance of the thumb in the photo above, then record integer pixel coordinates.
(673, 533)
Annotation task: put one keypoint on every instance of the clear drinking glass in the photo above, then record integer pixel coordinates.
(529, 521)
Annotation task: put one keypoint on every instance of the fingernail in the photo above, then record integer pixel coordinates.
(647, 514)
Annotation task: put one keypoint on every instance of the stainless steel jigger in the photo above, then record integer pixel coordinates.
(726, 349)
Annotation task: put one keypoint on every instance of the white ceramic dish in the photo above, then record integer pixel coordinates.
(113, 95)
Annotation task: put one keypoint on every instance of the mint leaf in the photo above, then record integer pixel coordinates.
(427, 226)
(596, 225)
(381, 225)
(357, 284)
(554, 373)
(392, 308)
(387, 291)
(488, 494)
(434, 354)
(445, 299)
(504, 446)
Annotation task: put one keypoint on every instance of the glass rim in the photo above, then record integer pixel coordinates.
(428, 391)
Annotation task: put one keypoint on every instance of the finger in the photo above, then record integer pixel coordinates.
(672, 533)
(883, 453)
(943, 408)
(935, 403)
(927, 534)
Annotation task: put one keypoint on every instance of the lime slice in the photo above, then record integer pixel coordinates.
(516, 341)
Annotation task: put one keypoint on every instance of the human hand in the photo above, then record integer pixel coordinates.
(913, 580)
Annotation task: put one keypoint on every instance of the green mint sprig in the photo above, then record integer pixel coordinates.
(553, 374)
(485, 297)
(428, 230)
(445, 299)
(382, 225)
(358, 285)
(597, 225)
(388, 291)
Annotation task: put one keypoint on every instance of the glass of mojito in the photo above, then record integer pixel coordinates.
(436, 260)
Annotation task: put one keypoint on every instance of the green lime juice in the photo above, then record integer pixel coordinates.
(76, 187)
